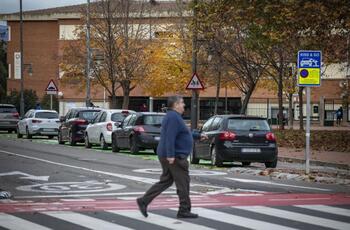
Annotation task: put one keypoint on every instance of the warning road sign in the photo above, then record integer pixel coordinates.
(195, 83)
(51, 88)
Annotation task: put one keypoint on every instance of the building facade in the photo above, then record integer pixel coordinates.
(45, 33)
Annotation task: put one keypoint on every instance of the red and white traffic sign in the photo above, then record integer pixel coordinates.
(195, 83)
(51, 88)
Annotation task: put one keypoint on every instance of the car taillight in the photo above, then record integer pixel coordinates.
(227, 136)
(36, 121)
(15, 115)
(270, 136)
(81, 122)
(139, 129)
(109, 126)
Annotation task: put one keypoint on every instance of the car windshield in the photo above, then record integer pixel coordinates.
(88, 115)
(248, 124)
(153, 120)
(119, 117)
(8, 109)
(46, 115)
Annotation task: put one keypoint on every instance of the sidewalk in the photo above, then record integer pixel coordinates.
(318, 157)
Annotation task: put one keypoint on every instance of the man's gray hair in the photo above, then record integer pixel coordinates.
(172, 100)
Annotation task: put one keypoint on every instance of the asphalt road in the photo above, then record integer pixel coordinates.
(64, 187)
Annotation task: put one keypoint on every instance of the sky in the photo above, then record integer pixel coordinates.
(10, 6)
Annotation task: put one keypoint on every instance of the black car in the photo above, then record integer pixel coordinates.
(9, 117)
(73, 125)
(236, 138)
(137, 132)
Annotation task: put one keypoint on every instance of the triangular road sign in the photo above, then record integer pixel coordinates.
(195, 83)
(51, 86)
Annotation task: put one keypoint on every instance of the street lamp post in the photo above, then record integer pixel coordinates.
(88, 51)
(21, 105)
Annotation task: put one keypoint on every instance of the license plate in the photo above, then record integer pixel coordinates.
(48, 130)
(157, 138)
(251, 150)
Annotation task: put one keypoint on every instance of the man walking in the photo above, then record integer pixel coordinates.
(176, 142)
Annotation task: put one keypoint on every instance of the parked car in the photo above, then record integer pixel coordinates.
(138, 132)
(73, 125)
(99, 131)
(236, 138)
(38, 123)
(9, 117)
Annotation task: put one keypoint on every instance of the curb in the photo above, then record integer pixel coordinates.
(315, 163)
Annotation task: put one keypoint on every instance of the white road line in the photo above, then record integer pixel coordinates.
(297, 217)
(15, 223)
(238, 220)
(88, 195)
(328, 209)
(145, 180)
(85, 221)
(161, 220)
(273, 183)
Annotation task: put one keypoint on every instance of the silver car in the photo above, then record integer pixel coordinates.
(8, 117)
(38, 123)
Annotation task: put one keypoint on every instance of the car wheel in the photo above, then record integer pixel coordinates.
(134, 149)
(246, 163)
(18, 134)
(215, 158)
(29, 136)
(71, 140)
(88, 145)
(193, 158)
(103, 143)
(115, 147)
(272, 164)
(59, 138)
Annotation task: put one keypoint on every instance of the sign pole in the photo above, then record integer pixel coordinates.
(51, 101)
(307, 150)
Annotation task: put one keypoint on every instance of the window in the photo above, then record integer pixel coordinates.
(248, 125)
(216, 124)
(207, 124)
(152, 120)
(118, 117)
(126, 121)
(103, 117)
(68, 32)
(46, 115)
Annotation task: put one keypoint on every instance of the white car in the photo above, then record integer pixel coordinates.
(38, 123)
(101, 128)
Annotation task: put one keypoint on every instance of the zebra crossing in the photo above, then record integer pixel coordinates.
(234, 217)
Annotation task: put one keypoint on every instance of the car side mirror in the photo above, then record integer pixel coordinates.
(62, 118)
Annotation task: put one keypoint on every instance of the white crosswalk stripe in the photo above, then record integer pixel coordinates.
(167, 222)
(229, 218)
(15, 223)
(85, 221)
(297, 217)
(328, 209)
(238, 220)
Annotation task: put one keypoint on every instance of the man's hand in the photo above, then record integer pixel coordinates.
(171, 160)
(204, 137)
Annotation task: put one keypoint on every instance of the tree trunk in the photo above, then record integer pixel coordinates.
(126, 94)
(280, 103)
(246, 100)
(218, 83)
(114, 102)
(301, 109)
(290, 111)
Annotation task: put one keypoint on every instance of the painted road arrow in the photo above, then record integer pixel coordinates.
(26, 176)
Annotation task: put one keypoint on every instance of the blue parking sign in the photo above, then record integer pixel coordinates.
(309, 67)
